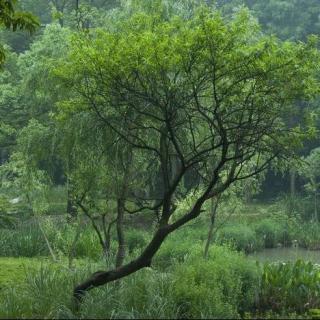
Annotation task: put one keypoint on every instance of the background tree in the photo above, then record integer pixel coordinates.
(310, 170)
(13, 19)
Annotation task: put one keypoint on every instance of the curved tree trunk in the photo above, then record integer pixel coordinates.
(144, 260)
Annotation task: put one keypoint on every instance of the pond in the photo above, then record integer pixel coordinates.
(286, 254)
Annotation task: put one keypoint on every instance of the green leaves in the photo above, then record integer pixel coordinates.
(15, 20)
(216, 89)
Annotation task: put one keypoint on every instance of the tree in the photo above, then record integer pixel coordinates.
(206, 95)
(13, 20)
(81, 159)
(21, 175)
(310, 170)
(287, 18)
(26, 92)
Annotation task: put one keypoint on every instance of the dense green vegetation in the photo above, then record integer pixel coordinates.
(181, 283)
(162, 143)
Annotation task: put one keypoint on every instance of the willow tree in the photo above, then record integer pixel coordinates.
(202, 95)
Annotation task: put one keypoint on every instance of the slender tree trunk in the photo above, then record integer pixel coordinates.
(105, 244)
(71, 205)
(123, 193)
(292, 189)
(107, 236)
(43, 232)
(121, 241)
(248, 194)
(47, 241)
(315, 206)
(214, 207)
(292, 183)
(2, 156)
(72, 251)
(60, 8)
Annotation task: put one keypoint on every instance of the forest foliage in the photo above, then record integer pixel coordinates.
(165, 112)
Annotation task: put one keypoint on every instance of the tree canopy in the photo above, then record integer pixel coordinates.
(205, 94)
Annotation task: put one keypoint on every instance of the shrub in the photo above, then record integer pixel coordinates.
(242, 237)
(38, 295)
(176, 249)
(269, 232)
(46, 290)
(219, 287)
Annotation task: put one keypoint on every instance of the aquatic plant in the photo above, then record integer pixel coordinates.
(290, 287)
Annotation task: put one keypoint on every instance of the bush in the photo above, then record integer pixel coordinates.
(242, 237)
(279, 228)
(45, 292)
(87, 246)
(309, 236)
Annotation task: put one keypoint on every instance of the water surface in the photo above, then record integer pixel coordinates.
(286, 254)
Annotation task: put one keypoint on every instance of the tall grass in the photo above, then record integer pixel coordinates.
(180, 284)
(198, 288)
(26, 240)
